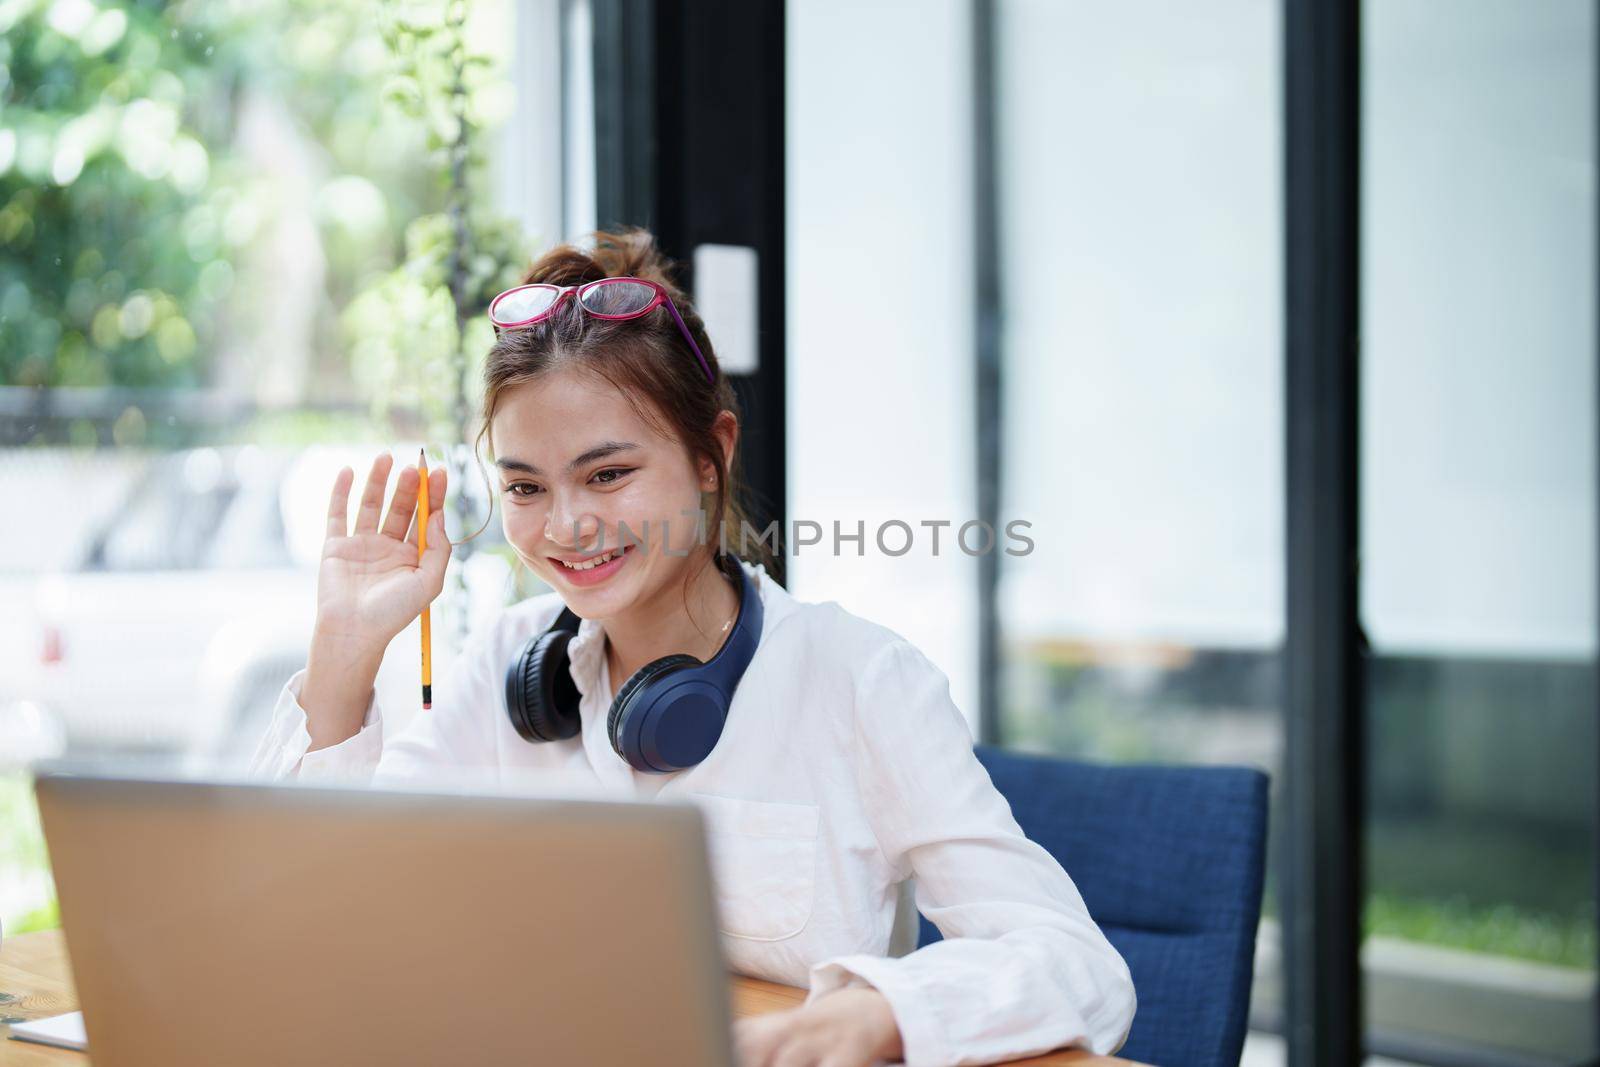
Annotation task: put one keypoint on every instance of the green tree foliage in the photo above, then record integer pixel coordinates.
(417, 333)
(128, 202)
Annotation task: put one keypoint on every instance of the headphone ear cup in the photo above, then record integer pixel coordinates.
(650, 671)
(541, 697)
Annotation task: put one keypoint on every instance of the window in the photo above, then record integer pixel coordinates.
(1139, 186)
(1478, 515)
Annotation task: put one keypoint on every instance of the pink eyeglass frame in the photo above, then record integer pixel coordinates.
(562, 292)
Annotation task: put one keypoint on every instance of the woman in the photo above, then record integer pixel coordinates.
(843, 767)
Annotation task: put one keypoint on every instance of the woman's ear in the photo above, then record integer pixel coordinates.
(726, 430)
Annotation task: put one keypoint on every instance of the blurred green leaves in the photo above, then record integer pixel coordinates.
(402, 331)
(165, 170)
(104, 112)
(417, 333)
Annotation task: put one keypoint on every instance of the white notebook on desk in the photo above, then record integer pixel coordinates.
(65, 1031)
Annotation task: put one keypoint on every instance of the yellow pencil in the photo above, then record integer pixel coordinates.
(422, 546)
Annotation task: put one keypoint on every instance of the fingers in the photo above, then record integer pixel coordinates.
(436, 556)
(756, 1040)
(402, 508)
(339, 503)
(436, 486)
(372, 496)
(437, 479)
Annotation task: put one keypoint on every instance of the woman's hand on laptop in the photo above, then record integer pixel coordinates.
(850, 1027)
(370, 585)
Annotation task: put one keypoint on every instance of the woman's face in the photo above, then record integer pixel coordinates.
(581, 477)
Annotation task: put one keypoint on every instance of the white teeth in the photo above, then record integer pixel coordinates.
(592, 563)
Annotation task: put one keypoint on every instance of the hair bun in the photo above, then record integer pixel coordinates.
(626, 252)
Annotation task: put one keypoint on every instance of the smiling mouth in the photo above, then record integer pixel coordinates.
(594, 561)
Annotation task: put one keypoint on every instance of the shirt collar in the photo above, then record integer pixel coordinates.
(585, 649)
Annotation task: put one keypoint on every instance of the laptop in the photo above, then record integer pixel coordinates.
(251, 923)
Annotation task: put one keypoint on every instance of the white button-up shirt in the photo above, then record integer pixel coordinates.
(844, 769)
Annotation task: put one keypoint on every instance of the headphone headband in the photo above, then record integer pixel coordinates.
(737, 651)
(667, 716)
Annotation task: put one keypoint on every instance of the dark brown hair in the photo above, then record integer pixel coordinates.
(646, 358)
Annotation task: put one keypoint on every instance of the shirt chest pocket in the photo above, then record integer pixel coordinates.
(764, 860)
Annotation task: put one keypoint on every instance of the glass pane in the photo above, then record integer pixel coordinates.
(1478, 540)
(879, 323)
(618, 298)
(1140, 191)
(225, 233)
(521, 305)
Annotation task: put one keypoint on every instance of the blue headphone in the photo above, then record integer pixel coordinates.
(666, 717)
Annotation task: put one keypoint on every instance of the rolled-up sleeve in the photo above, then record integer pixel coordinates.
(284, 749)
(1023, 968)
(452, 740)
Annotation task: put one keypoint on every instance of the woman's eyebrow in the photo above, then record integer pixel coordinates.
(600, 451)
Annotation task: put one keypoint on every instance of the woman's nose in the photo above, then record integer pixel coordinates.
(570, 529)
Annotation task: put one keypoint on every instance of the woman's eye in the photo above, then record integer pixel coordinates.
(532, 489)
(615, 472)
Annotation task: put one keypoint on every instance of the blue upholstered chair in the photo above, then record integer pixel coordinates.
(1170, 861)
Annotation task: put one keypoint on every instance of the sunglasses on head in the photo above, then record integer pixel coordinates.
(606, 298)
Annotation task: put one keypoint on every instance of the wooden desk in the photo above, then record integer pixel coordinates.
(36, 981)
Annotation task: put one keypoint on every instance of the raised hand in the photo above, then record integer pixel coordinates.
(370, 584)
